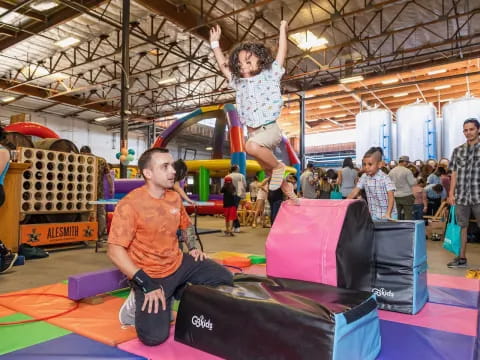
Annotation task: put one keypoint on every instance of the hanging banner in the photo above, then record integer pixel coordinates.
(58, 233)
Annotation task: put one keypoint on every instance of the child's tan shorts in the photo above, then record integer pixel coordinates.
(268, 136)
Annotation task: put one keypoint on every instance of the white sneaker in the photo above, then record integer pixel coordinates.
(126, 315)
(236, 230)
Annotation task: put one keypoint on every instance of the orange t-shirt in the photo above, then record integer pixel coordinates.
(147, 228)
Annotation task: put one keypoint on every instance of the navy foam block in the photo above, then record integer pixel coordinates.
(402, 341)
(94, 283)
(71, 346)
(20, 260)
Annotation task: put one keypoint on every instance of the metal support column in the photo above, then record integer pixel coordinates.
(302, 129)
(125, 82)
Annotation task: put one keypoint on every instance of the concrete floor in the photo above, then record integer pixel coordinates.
(61, 264)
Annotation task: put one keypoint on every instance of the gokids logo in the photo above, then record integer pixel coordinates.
(383, 292)
(201, 322)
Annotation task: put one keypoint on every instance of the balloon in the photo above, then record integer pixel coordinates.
(130, 158)
(117, 155)
(123, 158)
(131, 152)
(124, 151)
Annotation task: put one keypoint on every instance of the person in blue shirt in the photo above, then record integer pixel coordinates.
(435, 194)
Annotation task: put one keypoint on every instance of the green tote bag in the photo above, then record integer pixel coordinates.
(335, 194)
(453, 234)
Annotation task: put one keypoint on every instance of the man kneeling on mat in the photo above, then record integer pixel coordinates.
(143, 244)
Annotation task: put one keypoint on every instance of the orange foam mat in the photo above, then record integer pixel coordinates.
(5, 311)
(38, 305)
(98, 322)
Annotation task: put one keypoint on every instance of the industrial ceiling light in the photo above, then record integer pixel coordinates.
(340, 116)
(59, 76)
(436, 72)
(334, 122)
(6, 99)
(69, 41)
(351, 79)
(390, 81)
(103, 118)
(306, 40)
(441, 87)
(323, 107)
(167, 81)
(44, 5)
(209, 148)
(400, 94)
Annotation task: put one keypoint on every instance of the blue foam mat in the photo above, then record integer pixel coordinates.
(402, 341)
(71, 346)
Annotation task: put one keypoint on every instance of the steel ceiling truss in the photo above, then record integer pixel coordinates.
(364, 38)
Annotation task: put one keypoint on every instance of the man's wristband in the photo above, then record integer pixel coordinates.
(214, 45)
(144, 282)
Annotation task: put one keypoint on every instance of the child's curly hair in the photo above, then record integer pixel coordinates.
(263, 53)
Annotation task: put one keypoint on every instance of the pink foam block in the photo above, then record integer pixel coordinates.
(169, 350)
(453, 282)
(439, 317)
(303, 240)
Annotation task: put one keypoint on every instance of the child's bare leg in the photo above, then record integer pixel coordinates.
(263, 155)
(268, 161)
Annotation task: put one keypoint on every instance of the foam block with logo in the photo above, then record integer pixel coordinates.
(400, 266)
(272, 318)
(324, 241)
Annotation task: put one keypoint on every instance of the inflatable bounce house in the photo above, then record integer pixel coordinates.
(217, 166)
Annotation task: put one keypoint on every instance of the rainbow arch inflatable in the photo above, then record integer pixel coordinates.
(226, 115)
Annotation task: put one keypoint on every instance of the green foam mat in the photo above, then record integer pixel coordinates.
(257, 259)
(175, 305)
(122, 293)
(15, 337)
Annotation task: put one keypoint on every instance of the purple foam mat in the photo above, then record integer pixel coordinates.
(402, 341)
(95, 283)
(454, 297)
(127, 185)
(71, 346)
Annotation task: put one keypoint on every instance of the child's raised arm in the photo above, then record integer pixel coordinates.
(215, 34)
(282, 43)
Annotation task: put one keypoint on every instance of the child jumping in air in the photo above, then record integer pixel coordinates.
(377, 185)
(229, 208)
(255, 75)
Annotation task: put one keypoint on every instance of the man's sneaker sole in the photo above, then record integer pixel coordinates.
(460, 266)
(12, 262)
(124, 315)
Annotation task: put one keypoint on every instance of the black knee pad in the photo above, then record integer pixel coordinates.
(153, 340)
